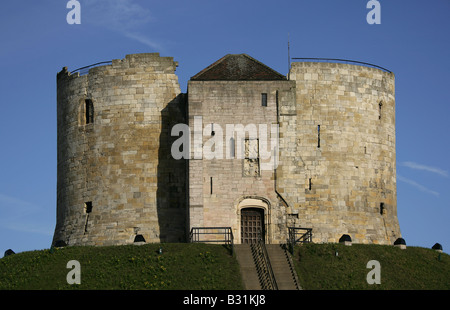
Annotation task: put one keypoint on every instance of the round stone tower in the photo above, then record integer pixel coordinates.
(339, 176)
(114, 165)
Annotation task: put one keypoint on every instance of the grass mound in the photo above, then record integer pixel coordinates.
(179, 267)
(336, 266)
(196, 266)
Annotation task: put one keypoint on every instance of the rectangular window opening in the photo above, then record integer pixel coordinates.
(232, 148)
(382, 208)
(89, 111)
(88, 207)
(264, 99)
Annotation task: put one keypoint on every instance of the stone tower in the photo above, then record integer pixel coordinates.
(315, 150)
(339, 177)
(114, 170)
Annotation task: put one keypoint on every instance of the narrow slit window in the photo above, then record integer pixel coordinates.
(89, 111)
(87, 211)
(318, 136)
(211, 180)
(232, 148)
(264, 99)
(310, 184)
(380, 108)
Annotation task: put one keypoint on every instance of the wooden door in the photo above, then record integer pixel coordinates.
(252, 225)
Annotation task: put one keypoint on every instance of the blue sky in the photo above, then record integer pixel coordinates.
(412, 40)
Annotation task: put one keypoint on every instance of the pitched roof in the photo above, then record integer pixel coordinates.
(237, 67)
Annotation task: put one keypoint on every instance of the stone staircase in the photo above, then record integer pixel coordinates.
(283, 267)
(280, 261)
(248, 267)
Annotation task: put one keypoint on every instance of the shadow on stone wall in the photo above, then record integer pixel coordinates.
(171, 174)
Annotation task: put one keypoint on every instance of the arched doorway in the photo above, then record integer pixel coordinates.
(253, 219)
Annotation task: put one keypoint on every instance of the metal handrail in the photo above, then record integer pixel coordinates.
(262, 262)
(344, 60)
(269, 266)
(305, 237)
(83, 70)
(291, 267)
(197, 232)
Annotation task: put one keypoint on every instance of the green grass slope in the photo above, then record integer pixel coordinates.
(336, 266)
(179, 267)
(188, 266)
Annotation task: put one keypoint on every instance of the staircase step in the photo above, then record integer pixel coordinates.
(278, 261)
(280, 266)
(247, 267)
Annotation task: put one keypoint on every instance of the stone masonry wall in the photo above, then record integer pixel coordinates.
(115, 173)
(117, 177)
(219, 204)
(341, 178)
